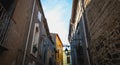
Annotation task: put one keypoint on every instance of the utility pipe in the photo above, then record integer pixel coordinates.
(26, 46)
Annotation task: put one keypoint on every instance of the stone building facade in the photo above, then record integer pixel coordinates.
(102, 31)
(24, 34)
(78, 34)
(104, 26)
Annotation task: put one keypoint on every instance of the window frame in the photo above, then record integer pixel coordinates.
(35, 39)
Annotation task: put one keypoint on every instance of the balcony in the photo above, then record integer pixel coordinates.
(4, 22)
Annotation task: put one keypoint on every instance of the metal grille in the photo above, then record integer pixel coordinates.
(4, 22)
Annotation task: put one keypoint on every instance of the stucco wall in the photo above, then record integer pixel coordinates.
(16, 33)
(59, 47)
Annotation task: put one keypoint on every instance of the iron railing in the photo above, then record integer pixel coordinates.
(4, 22)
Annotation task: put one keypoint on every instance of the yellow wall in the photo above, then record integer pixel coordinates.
(59, 54)
(65, 58)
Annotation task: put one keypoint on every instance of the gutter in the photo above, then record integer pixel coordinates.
(26, 46)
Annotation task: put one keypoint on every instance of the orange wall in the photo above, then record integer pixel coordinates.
(59, 47)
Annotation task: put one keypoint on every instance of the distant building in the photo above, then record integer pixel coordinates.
(66, 57)
(78, 34)
(24, 34)
(58, 48)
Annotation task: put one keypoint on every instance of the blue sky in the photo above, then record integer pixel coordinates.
(58, 13)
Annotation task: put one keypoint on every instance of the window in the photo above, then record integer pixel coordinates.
(39, 16)
(35, 41)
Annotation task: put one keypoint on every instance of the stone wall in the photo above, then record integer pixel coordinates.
(104, 27)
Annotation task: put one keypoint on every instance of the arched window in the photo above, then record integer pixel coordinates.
(35, 40)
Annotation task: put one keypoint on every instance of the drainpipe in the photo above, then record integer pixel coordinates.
(26, 46)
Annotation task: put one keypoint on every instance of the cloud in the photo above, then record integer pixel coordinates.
(56, 12)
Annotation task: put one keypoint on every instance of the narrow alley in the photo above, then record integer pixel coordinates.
(59, 32)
